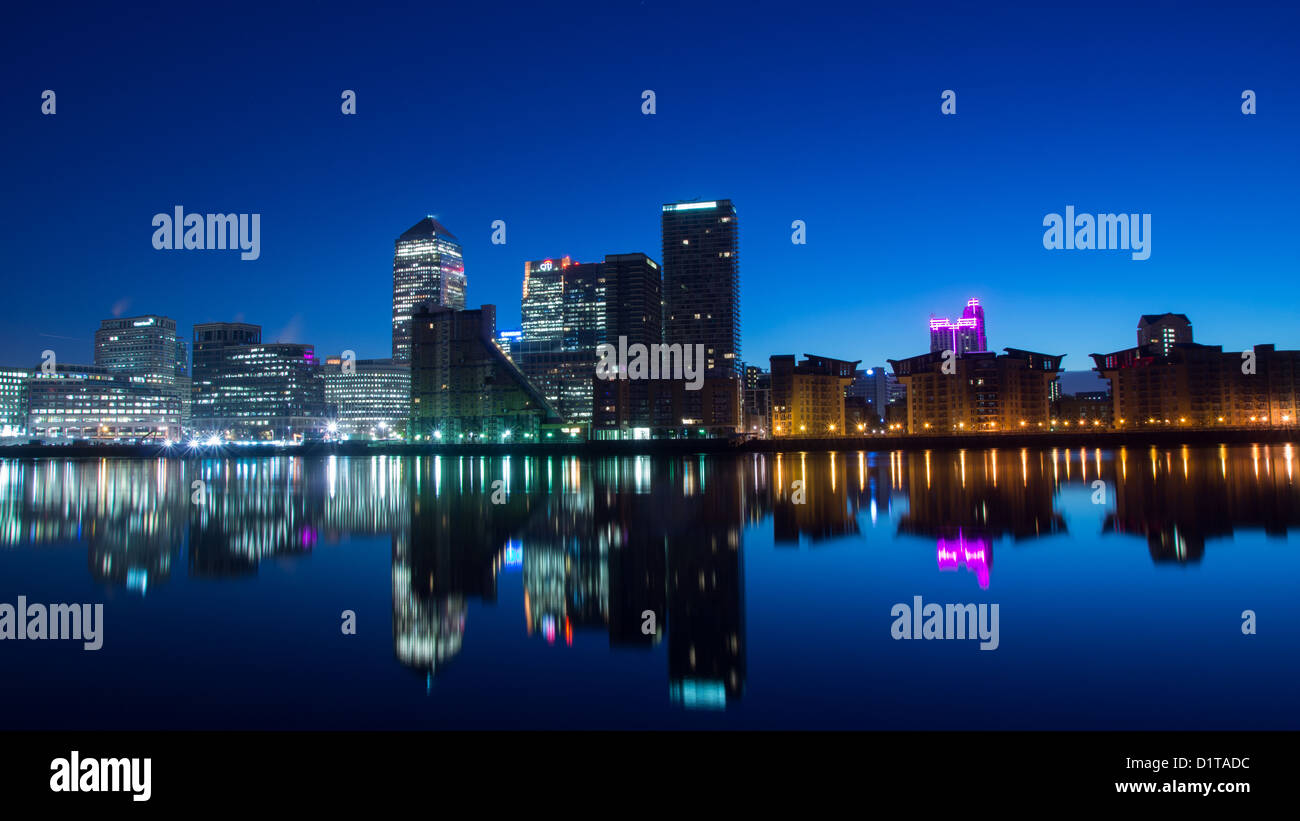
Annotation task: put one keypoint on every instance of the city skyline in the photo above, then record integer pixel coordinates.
(907, 210)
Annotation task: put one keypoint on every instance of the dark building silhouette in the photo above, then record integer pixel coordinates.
(463, 388)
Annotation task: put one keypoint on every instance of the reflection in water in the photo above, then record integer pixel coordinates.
(643, 550)
(975, 554)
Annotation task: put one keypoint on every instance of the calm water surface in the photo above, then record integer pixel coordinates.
(1120, 603)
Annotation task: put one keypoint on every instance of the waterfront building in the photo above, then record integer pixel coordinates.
(701, 289)
(808, 397)
(248, 390)
(13, 401)
(1198, 385)
(100, 404)
(463, 388)
(983, 392)
(146, 347)
(366, 398)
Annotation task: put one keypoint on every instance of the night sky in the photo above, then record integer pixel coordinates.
(531, 113)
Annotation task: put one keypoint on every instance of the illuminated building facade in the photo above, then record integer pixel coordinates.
(367, 398)
(758, 402)
(146, 347)
(985, 391)
(542, 308)
(808, 397)
(463, 388)
(569, 309)
(563, 319)
(428, 266)
(101, 404)
(1202, 386)
(13, 401)
(140, 345)
(508, 342)
(872, 386)
(248, 390)
(965, 335)
(1084, 408)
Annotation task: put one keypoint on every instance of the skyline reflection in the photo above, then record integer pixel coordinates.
(600, 543)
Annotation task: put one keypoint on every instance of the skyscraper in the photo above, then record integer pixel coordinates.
(563, 318)
(633, 304)
(428, 266)
(966, 335)
(542, 307)
(702, 281)
(702, 307)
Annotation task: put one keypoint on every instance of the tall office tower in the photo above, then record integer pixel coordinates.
(584, 307)
(633, 299)
(463, 388)
(702, 281)
(633, 306)
(542, 307)
(563, 316)
(143, 346)
(966, 335)
(1164, 331)
(428, 266)
(245, 389)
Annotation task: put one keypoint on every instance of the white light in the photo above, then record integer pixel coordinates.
(690, 206)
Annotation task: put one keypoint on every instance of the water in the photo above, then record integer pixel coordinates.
(1120, 603)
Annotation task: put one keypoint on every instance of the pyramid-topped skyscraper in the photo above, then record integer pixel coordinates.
(428, 266)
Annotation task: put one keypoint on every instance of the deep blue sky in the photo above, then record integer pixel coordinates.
(531, 113)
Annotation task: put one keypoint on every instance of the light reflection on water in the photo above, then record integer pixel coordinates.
(698, 561)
